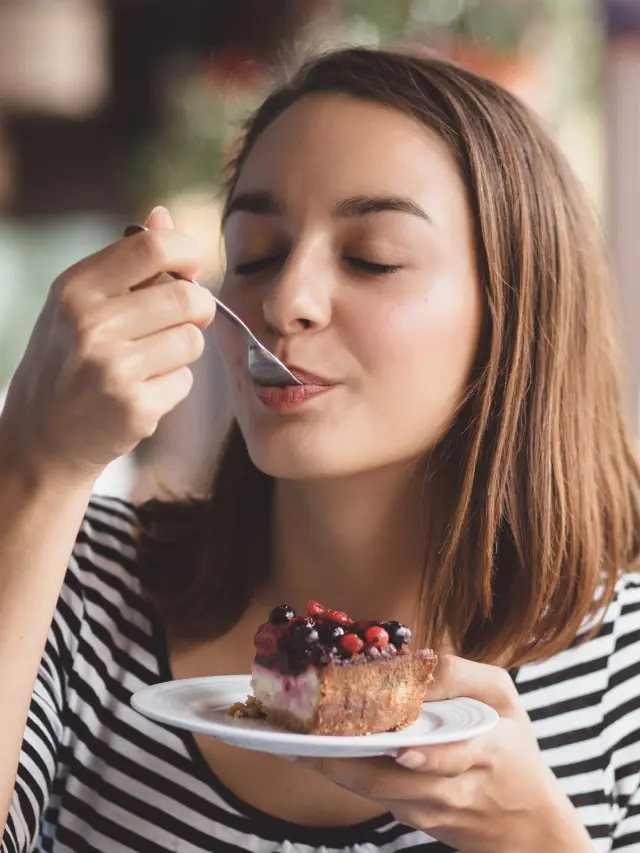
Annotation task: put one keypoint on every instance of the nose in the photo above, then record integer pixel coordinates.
(300, 298)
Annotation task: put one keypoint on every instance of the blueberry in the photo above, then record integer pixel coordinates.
(282, 614)
(303, 637)
(330, 634)
(320, 655)
(399, 635)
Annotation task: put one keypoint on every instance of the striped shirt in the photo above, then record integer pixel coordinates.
(95, 775)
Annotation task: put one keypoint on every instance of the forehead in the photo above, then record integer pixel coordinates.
(328, 146)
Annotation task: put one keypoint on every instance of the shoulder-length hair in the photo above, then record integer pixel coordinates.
(537, 478)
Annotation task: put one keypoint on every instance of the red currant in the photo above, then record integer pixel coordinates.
(351, 643)
(314, 608)
(376, 636)
(339, 616)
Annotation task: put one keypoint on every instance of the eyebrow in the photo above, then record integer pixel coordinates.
(260, 202)
(264, 203)
(364, 205)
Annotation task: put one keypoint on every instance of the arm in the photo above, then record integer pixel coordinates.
(40, 515)
(622, 715)
(107, 359)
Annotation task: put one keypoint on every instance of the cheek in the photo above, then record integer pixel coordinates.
(433, 339)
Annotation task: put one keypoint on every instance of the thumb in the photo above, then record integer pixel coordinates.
(455, 676)
(160, 218)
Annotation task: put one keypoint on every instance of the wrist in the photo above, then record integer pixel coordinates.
(557, 827)
(34, 473)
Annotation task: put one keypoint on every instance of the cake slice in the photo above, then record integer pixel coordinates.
(326, 674)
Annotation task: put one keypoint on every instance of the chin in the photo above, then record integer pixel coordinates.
(293, 461)
(316, 455)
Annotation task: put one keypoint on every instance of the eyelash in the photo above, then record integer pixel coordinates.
(253, 267)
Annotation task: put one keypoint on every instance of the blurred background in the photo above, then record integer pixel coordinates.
(109, 107)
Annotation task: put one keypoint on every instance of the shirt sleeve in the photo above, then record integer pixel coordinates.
(622, 718)
(43, 739)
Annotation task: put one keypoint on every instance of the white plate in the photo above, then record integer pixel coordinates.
(200, 704)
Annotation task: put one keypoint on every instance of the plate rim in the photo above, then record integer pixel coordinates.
(253, 738)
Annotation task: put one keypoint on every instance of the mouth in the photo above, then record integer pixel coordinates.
(290, 397)
(307, 378)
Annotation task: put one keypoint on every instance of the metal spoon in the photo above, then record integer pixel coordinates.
(264, 367)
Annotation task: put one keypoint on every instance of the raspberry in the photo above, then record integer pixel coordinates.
(376, 636)
(314, 608)
(351, 643)
(266, 639)
(339, 616)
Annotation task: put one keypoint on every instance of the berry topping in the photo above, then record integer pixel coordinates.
(330, 633)
(339, 616)
(266, 639)
(292, 644)
(364, 624)
(314, 608)
(399, 634)
(303, 637)
(351, 643)
(376, 636)
(282, 614)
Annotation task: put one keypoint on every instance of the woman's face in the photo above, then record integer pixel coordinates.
(350, 254)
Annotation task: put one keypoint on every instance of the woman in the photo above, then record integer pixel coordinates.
(405, 234)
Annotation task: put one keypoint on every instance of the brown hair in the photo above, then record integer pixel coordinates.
(540, 486)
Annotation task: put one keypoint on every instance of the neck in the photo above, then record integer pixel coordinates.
(356, 544)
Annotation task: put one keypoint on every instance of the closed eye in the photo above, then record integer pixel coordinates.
(373, 268)
(260, 264)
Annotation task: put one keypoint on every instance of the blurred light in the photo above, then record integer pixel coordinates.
(441, 13)
(53, 56)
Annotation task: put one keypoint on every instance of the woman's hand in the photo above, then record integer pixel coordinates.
(109, 354)
(490, 794)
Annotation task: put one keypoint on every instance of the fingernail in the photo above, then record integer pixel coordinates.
(412, 759)
(161, 209)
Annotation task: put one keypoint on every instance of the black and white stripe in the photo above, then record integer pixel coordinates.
(94, 775)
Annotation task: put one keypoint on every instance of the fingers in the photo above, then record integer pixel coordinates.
(381, 778)
(152, 309)
(118, 268)
(448, 759)
(456, 676)
(374, 778)
(162, 353)
(152, 400)
(163, 393)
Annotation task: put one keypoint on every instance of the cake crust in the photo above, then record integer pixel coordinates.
(379, 696)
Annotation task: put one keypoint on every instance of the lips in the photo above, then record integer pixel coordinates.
(292, 396)
(307, 378)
